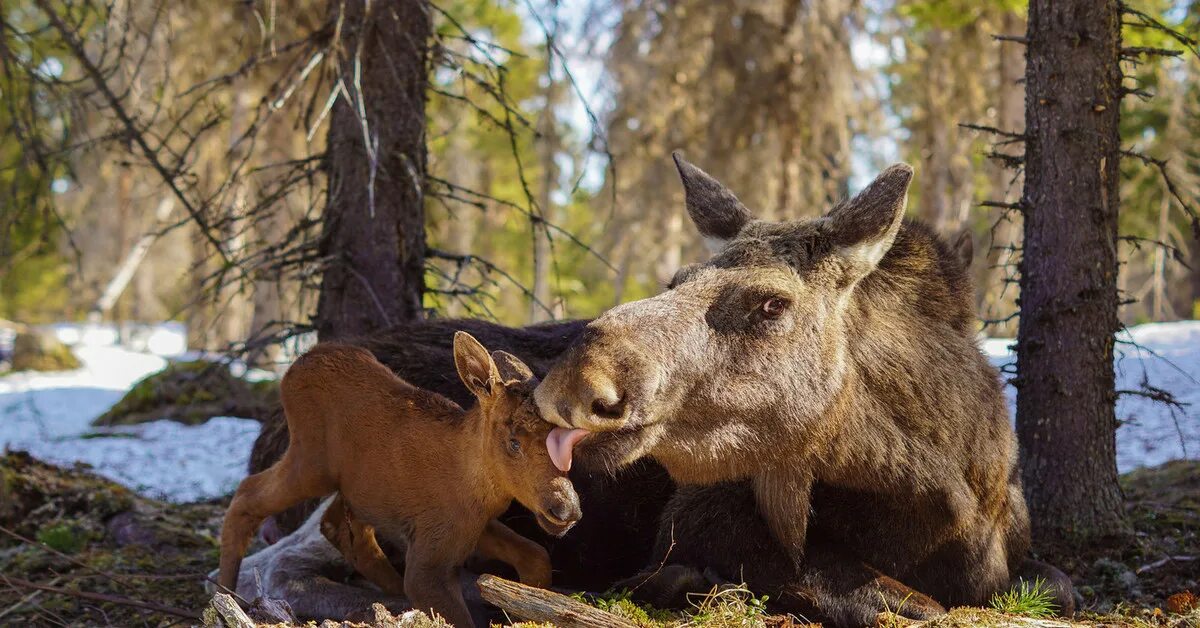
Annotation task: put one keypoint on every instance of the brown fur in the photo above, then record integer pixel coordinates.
(616, 537)
(829, 368)
(413, 467)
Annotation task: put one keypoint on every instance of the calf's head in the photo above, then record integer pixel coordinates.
(515, 451)
(740, 353)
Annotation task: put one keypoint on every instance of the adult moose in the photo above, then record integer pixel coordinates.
(816, 390)
(829, 367)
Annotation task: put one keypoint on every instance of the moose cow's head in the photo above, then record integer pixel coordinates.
(743, 354)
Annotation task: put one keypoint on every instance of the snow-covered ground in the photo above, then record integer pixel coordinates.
(49, 415)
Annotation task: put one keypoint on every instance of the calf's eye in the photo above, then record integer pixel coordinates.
(514, 446)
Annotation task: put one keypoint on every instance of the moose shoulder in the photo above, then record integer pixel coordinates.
(830, 366)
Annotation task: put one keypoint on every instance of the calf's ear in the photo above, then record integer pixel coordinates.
(864, 227)
(475, 365)
(717, 213)
(512, 369)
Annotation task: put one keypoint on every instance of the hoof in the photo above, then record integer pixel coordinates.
(668, 587)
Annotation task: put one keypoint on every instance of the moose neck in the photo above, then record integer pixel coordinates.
(913, 371)
(482, 466)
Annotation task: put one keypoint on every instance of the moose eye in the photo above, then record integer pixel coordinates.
(514, 446)
(773, 307)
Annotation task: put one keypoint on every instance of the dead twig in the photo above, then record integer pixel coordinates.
(72, 560)
(101, 597)
(25, 600)
(540, 605)
(1163, 561)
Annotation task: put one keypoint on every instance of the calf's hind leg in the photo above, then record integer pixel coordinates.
(356, 541)
(259, 496)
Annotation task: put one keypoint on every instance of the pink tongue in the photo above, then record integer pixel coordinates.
(560, 442)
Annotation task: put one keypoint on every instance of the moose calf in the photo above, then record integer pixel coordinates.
(414, 467)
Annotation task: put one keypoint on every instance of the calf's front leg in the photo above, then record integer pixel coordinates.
(531, 560)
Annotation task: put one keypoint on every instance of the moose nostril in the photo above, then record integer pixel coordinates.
(606, 409)
(565, 513)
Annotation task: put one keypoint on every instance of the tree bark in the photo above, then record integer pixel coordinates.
(374, 223)
(1066, 421)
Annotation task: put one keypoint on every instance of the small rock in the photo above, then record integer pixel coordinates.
(1128, 579)
(127, 529)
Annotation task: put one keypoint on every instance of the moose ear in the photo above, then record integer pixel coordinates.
(474, 364)
(718, 214)
(512, 369)
(864, 227)
(964, 248)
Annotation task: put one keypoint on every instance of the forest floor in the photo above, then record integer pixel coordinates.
(95, 548)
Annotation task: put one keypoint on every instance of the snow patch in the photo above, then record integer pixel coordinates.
(1167, 356)
(50, 414)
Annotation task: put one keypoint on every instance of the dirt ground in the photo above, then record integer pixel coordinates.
(66, 529)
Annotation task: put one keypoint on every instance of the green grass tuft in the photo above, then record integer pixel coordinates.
(727, 607)
(1036, 600)
(63, 537)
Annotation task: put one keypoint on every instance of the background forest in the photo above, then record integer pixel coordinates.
(549, 189)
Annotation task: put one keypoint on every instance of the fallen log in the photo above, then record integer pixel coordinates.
(224, 612)
(533, 604)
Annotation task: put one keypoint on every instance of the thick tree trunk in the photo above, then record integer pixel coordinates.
(1066, 422)
(374, 225)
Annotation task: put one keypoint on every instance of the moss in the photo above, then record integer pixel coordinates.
(191, 393)
(40, 352)
(64, 537)
(620, 604)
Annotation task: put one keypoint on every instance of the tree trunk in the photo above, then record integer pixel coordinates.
(997, 295)
(549, 144)
(374, 223)
(1066, 422)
